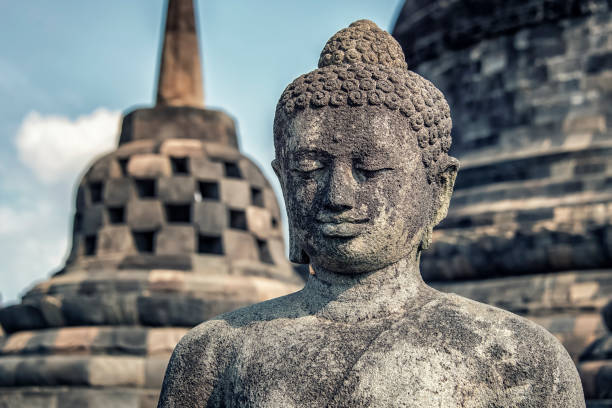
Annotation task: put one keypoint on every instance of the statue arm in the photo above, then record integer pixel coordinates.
(193, 375)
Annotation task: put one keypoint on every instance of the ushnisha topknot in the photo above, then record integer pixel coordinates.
(363, 66)
(362, 42)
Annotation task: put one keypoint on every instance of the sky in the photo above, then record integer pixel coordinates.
(70, 68)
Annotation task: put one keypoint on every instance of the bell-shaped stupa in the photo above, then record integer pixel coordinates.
(173, 227)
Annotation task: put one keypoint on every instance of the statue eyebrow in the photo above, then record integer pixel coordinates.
(309, 153)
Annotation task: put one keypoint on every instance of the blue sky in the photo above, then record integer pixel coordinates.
(68, 69)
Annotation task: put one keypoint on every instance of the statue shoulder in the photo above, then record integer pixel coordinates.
(198, 359)
(525, 354)
(195, 373)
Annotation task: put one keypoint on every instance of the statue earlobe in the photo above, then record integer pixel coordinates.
(445, 181)
(447, 174)
(276, 167)
(296, 253)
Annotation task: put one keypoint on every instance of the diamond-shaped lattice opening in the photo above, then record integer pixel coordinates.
(237, 219)
(146, 188)
(123, 165)
(95, 192)
(180, 165)
(232, 170)
(178, 212)
(209, 190)
(208, 244)
(90, 245)
(116, 215)
(144, 241)
(264, 252)
(257, 197)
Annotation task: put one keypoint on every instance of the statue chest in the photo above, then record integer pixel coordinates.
(335, 365)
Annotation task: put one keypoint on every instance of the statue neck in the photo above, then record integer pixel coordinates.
(389, 291)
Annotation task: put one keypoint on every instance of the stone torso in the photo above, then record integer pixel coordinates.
(435, 356)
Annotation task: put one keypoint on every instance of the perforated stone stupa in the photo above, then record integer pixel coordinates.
(530, 223)
(173, 227)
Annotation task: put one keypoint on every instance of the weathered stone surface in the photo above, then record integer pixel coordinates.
(169, 122)
(17, 316)
(180, 75)
(117, 191)
(93, 219)
(259, 221)
(182, 148)
(239, 245)
(114, 239)
(149, 165)
(205, 169)
(178, 189)
(362, 156)
(235, 193)
(144, 215)
(175, 240)
(210, 217)
(105, 168)
(253, 174)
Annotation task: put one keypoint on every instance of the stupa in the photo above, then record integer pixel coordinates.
(173, 227)
(530, 224)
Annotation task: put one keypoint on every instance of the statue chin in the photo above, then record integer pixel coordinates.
(351, 263)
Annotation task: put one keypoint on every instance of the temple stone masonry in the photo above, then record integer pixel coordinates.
(173, 227)
(530, 224)
(596, 365)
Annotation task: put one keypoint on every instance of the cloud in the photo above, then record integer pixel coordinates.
(55, 147)
(36, 206)
(33, 242)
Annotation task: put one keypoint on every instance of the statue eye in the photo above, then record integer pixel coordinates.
(307, 166)
(367, 173)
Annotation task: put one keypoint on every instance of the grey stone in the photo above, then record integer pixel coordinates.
(115, 239)
(205, 169)
(19, 317)
(179, 189)
(259, 221)
(93, 219)
(210, 217)
(173, 239)
(252, 173)
(117, 191)
(147, 261)
(235, 193)
(104, 169)
(366, 175)
(149, 165)
(144, 215)
(239, 245)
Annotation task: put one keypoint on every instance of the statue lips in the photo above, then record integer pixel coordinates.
(341, 226)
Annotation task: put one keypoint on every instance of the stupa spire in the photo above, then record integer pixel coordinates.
(180, 74)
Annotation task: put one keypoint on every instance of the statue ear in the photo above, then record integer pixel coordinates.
(296, 253)
(276, 168)
(445, 181)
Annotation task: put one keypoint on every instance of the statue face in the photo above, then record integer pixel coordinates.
(355, 187)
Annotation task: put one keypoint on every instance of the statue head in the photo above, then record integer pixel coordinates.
(362, 155)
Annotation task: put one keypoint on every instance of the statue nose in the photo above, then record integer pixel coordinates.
(341, 188)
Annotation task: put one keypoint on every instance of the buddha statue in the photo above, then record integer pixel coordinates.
(362, 156)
